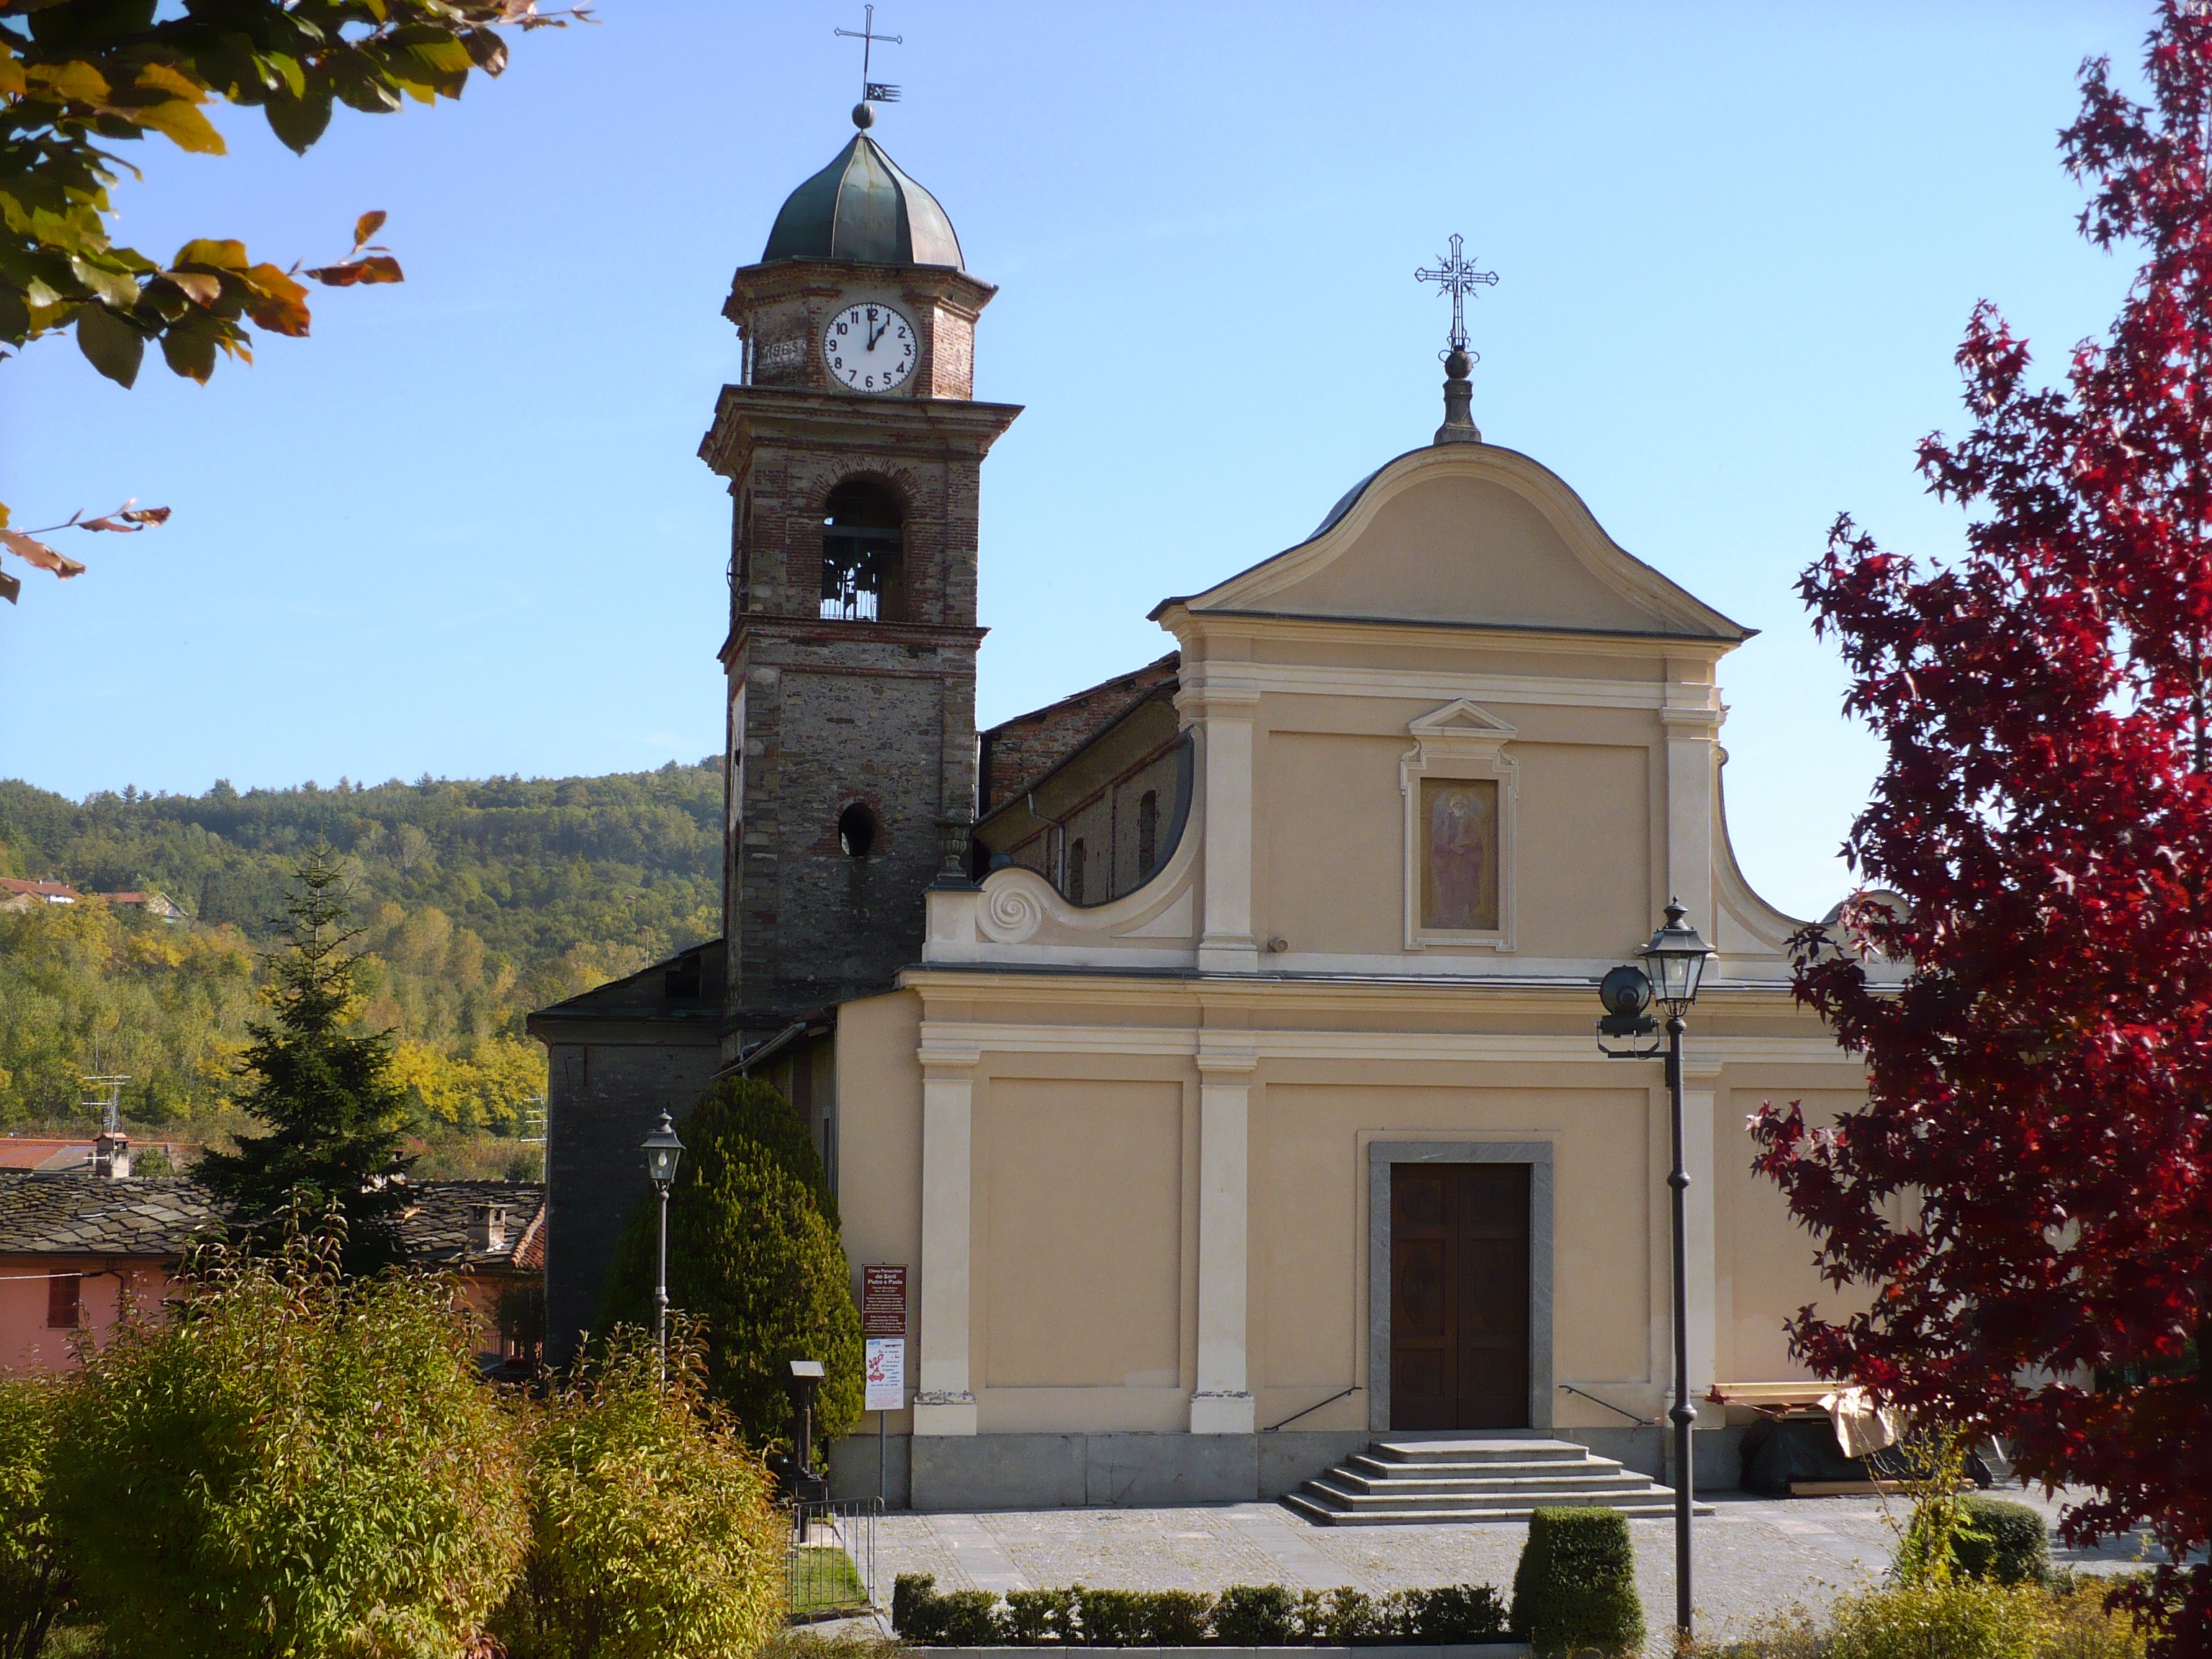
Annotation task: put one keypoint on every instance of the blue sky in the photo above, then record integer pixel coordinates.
(463, 530)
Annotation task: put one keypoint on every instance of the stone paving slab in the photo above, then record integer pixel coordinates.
(1755, 1556)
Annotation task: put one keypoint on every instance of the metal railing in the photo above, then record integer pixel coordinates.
(830, 1557)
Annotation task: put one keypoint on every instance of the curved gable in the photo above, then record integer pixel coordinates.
(1475, 535)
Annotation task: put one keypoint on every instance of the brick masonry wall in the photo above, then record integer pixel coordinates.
(1019, 751)
(837, 713)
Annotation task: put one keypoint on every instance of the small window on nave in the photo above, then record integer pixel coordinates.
(863, 554)
(1148, 833)
(1077, 857)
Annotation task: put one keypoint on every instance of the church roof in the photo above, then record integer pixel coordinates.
(861, 207)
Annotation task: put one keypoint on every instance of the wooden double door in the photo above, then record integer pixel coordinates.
(1459, 1296)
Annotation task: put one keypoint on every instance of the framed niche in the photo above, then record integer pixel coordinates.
(1460, 787)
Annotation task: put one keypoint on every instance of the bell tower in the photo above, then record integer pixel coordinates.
(854, 449)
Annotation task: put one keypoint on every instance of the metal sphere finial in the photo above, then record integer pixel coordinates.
(863, 117)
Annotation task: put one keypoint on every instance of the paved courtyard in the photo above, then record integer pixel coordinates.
(1755, 1556)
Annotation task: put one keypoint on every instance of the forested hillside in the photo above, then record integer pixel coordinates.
(479, 901)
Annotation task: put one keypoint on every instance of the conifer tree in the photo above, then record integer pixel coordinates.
(755, 1260)
(334, 1110)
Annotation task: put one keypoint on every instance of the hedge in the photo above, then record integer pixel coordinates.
(1575, 1589)
(2005, 1542)
(1244, 1615)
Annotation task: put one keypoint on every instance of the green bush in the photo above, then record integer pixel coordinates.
(2005, 1542)
(754, 1257)
(1244, 1615)
(1942, 1621)
(1254, 1616)
(1114, 1618)
(294, 1464)
(1455, 1614)
(1575, 1589)
(913, 1606)
(1040, 1615)
(1178, 1619)
(970, 1619)
(653, 1531)
(35, 1584)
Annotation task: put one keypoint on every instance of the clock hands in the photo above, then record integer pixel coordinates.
(879, 333)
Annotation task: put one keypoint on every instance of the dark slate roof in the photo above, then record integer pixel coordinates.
(689, 985)
(156, 1216)
(434, 1226)
(90, 1215)
(862, 206)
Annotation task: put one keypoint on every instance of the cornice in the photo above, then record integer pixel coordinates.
(746, 414)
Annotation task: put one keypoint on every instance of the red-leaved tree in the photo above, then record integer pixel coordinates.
(2028, 1190)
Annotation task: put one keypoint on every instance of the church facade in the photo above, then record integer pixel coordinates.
(1214, 1047)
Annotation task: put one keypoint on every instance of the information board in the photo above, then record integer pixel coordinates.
(883, 1302)
(886, 1374)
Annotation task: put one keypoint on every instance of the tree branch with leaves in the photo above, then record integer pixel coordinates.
(77, 76)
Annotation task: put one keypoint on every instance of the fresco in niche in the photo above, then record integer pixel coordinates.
(1459, 855)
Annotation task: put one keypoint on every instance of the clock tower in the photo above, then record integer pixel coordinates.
(853, 449)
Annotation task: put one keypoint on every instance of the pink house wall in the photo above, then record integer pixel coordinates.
(28, 1344)
(25, 1342)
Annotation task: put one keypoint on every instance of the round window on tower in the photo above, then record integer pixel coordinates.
(856, 831)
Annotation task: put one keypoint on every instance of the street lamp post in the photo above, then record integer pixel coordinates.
(1674, 962)
(662, 1152)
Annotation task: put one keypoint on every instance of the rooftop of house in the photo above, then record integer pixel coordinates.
(443, 1224)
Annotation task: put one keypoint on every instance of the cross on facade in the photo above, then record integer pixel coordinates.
(873, 92)
(1457, 277)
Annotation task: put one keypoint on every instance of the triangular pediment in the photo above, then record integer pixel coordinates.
(1475, 535)
(1460, 720)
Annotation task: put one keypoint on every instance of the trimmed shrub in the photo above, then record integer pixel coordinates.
(1112, 1618)
(969, 1619)
(754, 1257)
(1343, 1618)
(1040, 1615)
(653, 1529)
(1177, 1618)
(913, 1606)
(1456, 1612)
(923, 1614)
(1254, 1616)
(297, 1463)
(1942, 1621)
(1575, 1589)
(2004, 1542)
(35, 1584)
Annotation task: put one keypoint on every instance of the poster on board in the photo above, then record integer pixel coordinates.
(886, 1374)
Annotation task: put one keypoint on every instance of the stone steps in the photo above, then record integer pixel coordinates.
(1406, 1482)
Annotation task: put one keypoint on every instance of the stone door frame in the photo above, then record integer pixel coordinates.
(1381, 1156)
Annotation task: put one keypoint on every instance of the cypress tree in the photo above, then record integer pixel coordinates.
(334, 1111)
(754, 1258)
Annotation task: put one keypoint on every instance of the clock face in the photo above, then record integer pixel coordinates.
(870, 347)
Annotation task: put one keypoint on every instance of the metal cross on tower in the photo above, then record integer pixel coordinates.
(873, 92)
(1457, 277)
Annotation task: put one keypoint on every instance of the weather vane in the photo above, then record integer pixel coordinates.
(871, 92)
(1457, 277)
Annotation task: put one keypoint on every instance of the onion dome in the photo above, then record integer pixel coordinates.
(862, 206)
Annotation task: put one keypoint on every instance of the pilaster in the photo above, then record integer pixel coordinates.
(1692, 719)
(1222, 1403)
(944, 1404)
(1224, 712)
(1700, 1079)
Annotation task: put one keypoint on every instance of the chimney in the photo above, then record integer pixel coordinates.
(487, 1228)
(111, 1155)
